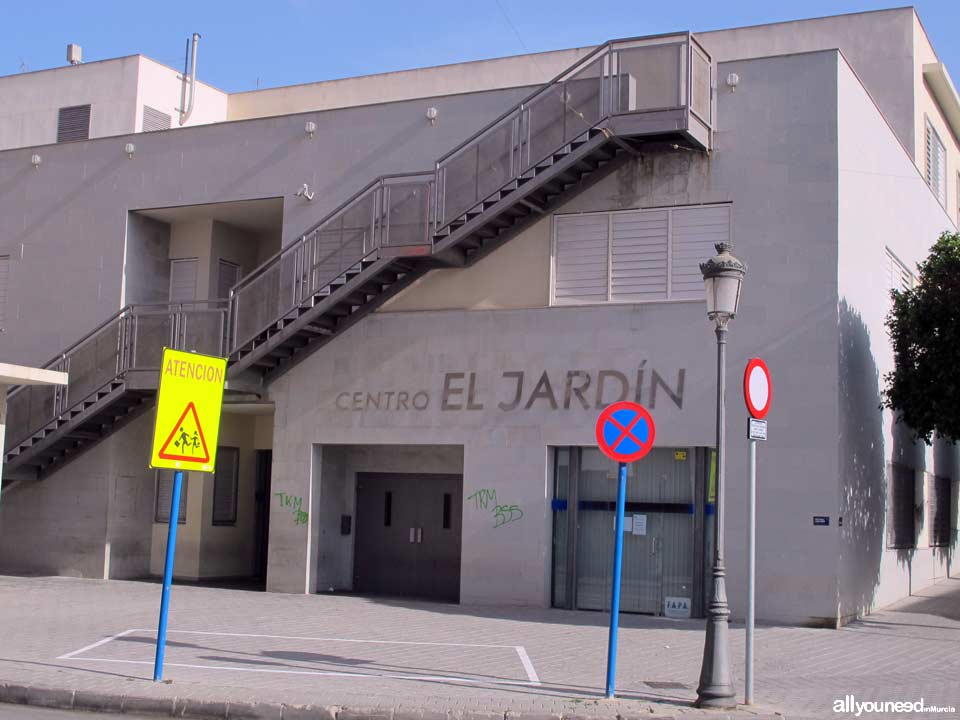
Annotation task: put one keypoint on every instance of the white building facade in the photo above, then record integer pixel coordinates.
(419, 352)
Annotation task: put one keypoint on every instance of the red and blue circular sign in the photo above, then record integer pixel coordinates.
(625, 431)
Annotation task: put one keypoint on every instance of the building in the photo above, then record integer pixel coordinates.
(429, 282)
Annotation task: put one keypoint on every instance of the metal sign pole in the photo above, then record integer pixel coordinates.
(615, 593)
(168, 574)
(751, 568)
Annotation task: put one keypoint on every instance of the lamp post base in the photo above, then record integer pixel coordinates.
(716, 689)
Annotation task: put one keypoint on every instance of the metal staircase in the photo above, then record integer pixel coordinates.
(625, 98)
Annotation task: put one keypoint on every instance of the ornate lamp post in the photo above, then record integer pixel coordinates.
(722, 278)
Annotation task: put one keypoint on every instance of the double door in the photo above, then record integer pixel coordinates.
(408, 535)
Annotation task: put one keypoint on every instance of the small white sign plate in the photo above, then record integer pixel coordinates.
(676, 607)
(756, 429)
(639, 525)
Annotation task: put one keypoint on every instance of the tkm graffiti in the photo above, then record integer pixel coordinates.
(295, 503)
(486, 499)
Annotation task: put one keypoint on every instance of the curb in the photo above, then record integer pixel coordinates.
(184, 707)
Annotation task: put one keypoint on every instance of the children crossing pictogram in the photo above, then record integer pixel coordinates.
(187, 439)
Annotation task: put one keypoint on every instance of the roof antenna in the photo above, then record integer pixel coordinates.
(189, 60)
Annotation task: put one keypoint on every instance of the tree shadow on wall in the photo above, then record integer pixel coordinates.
(862, 468)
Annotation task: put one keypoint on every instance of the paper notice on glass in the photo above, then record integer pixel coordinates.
(639, 525)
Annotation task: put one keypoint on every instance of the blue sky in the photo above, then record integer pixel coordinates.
(283, 42)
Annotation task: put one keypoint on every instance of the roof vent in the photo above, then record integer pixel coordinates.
(74, 54)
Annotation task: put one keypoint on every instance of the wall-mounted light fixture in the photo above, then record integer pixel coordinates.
(310, 128)
(432, 114)
(732, 81)
(130, 149)
(35, 160)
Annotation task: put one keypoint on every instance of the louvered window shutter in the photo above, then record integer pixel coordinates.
(183, 280)
(901, 520)
(73, 123)
(4, 281)
(228, 275)
(695, 231)
(936, 164)
(638, 267)
(581, 257)
(225, 486)
(153, 119)
(938, 508)
(164, 492)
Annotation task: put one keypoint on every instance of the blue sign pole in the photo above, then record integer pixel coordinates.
(615, 593)
(168, 574)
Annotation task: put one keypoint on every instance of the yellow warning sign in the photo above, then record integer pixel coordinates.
(188, 411)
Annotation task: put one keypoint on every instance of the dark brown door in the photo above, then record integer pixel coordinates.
(408, 535)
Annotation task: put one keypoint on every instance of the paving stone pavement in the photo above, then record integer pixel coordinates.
(401, 659)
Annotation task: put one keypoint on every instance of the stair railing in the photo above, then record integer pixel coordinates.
(392, 211)
(650, 75)
(130, 340)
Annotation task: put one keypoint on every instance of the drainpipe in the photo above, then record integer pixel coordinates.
(186, 107)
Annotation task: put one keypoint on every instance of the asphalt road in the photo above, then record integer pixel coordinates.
(24, 712)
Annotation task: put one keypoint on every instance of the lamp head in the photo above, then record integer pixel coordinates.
(722, 280)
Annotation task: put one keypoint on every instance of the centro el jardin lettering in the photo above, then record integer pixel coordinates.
(514, 390)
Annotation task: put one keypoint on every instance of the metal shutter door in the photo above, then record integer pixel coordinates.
(183, 280)
(153, 119)
(938, 506)
(228, 275)
(694, 233)
(639, 256)
(225, 486)
(4, 281)
(73, 123)
(580, 258)
(901, 530)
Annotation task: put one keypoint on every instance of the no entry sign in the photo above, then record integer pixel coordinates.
(757, 388)
(625, 431)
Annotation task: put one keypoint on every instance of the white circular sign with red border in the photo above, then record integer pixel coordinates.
(757, 388)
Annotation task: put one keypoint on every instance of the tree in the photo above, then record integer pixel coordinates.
(924, 327)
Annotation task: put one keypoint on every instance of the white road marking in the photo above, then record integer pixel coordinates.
(91, 646)
(329, 673)
(527, 665)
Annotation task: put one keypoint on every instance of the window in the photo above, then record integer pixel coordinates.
(938, 510)
(936, 164)
(901, 512)
(4, 278)
(164, 493)
(73, 123)
(153, 119)
(635, 255)
(898, 276)
(228, 275)
(225, 479)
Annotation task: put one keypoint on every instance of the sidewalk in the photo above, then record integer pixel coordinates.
(230, 653)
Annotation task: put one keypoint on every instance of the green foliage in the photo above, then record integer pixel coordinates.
(924, 327)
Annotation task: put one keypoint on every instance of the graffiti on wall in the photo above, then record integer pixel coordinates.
(485, 499)
(295, 504)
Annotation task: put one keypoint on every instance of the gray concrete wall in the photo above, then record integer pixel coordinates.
(878, 46)
(68, 218)
(776, 162)
(146, 267)
(90, 519)
(884, 203)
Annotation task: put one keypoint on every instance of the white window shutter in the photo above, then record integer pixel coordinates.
(183, 280)
(639, 256)
(695, 231)
(4, 281)
(581, 258)
(936, 164)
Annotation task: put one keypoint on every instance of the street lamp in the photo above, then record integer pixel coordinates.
(722, 278)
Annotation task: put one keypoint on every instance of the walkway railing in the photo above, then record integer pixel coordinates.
(130, 340)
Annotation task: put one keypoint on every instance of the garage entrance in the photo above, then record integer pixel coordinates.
(408, 535)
